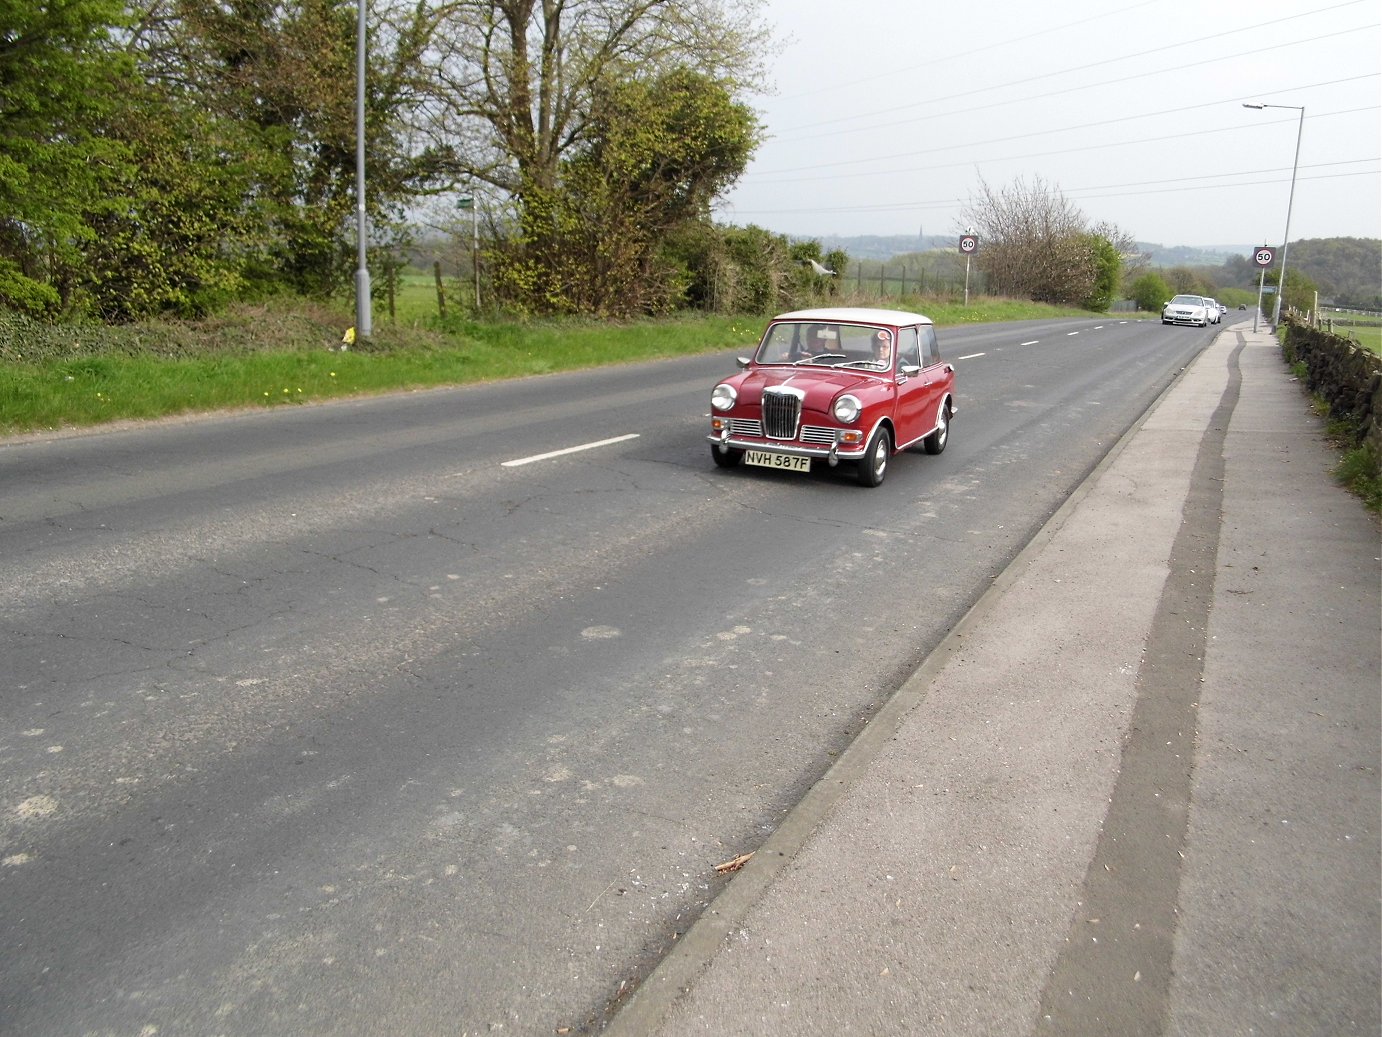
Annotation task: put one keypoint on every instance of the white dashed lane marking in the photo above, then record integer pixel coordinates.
(568, 450)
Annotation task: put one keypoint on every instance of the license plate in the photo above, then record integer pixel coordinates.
(767, 459)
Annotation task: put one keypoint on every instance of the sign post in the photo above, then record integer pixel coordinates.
(469, 203)
(1263, 257)
(969, 244)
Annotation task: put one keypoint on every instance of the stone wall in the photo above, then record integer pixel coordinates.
(1343, 374)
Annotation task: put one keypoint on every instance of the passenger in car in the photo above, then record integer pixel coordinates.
(882, 348)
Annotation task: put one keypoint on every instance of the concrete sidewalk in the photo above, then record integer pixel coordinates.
(1136, 791)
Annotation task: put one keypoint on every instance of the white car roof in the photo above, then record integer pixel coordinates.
(857, 315)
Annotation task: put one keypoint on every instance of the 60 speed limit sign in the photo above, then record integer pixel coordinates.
(968, 243)
(1264, 256)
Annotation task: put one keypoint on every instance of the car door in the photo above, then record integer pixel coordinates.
(914, 391)
(926, 390)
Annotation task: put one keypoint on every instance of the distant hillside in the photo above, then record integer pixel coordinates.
(886, 246)
(1188, 255)
(1345, 269)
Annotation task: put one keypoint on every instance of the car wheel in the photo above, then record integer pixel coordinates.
(726, 458)
(873, 466)
(935, 442)
(1165, 321)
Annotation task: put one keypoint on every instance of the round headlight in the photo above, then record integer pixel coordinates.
(723, 397)
(847, 408)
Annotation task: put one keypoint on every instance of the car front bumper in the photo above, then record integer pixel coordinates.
(833, 453)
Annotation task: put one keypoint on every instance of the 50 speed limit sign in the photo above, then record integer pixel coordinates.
(968, 243)
(1263, 256)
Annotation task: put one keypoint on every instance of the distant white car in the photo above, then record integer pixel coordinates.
(1212, 305)
(1187, 309)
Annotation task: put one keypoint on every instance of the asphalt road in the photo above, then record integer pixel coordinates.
(358, 718)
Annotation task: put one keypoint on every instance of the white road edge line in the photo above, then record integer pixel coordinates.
(971, 356)
(569, 450)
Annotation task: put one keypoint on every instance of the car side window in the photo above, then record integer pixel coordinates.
(932, 345)
(908, 347)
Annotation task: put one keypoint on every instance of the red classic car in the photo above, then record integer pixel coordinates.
(840, 384)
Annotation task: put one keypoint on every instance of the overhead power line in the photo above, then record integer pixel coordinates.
(1073, 195)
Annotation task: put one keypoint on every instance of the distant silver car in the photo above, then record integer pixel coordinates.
(1187, 309)
(1212, 305)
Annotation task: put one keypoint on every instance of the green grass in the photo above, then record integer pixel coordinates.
(1360, 471)
(54, 377)
(1364, 329)
(1369, 336)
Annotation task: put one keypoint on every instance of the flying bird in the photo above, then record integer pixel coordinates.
(823, 271)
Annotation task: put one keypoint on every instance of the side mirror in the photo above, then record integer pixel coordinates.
(742, 361)
(908, 369)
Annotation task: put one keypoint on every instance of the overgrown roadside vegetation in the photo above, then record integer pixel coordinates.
(72, 376)
(1342, 385)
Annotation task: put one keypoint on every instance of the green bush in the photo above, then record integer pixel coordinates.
(1150, 292)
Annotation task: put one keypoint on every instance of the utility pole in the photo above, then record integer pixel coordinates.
(363, 326)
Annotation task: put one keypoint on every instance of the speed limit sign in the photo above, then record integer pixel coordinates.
(1264, 256)
(968, 243)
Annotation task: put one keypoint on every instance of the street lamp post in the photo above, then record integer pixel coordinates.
(1290, 200)
(363, 328)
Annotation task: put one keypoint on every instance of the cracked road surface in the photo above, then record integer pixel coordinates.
(320, 720)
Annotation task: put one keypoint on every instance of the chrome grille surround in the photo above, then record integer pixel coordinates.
(781, 411)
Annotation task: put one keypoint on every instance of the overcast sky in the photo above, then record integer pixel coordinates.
(888, 112)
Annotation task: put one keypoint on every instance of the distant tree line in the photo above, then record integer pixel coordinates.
(1338, 271)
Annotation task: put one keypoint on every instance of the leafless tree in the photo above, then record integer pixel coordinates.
(513, 81)
(1035, 242)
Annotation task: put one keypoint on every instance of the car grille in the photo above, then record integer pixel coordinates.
(781, 415)
(746, 427)
(818, 434)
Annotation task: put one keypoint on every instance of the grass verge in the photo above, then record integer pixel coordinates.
(65, 376)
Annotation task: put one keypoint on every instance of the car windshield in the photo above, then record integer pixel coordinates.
(827, 344)
(1189, 300)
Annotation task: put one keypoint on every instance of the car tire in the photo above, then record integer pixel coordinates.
(873, 466)
(726, 458)
(935, 442)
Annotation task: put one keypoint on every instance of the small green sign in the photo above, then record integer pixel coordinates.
(464, 203)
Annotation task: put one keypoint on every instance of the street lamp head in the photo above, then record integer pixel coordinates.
(1259, 106)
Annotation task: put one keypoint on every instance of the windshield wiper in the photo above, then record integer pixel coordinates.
(823, 356)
